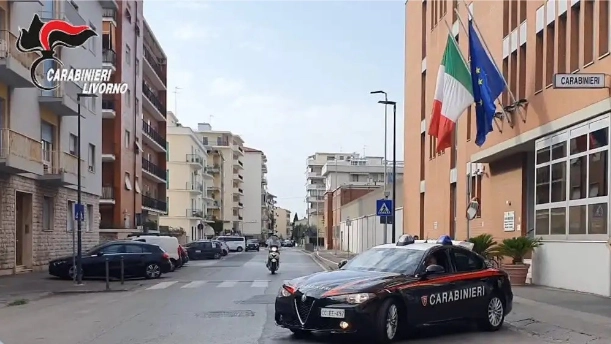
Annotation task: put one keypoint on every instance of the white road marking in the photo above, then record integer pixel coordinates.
(194, 284)
(227, 284)
(259, 284)
(162, 285)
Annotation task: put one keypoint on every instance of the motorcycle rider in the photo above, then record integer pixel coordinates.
(274, 252)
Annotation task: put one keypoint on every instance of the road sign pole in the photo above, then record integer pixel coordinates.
(386, 194)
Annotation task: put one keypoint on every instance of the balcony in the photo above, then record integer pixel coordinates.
(109, 59)
(63, 100)
(153, 171)
(109, 4)
(153, 138)
(315, 187)
(108, 195)
(210, 218)
(236, 177)
(263, 180)
(197, 213)
(206, 174)
(155, 69)
(19, 153)
(110, 15)
(14, 65)
(152, 104)
(59, 169)
(238, 164)
(213, 188)
(108, 153)
(315, 175)
(195, 160)
(264, 168)
(241, 191)
(213, 205)
(240, 205)
(214, 169)
(196, 188)
(154, 205)
(314, 199)
(109, 108)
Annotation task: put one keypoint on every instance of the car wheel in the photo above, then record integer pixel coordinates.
(152, 271)
(71, 271)
(387, 323)
(240, 249)
(217, 256)
(301, 333)
(494, 316)
(174, 264)
(225, 252)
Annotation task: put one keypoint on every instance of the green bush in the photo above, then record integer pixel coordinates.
(518, 247)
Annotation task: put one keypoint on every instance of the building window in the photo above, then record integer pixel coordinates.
(47, 213)
(476, 192)
(91, 158)
(46, 139)
(603, 27)
(588, 32)
(128, 182)
(128, 98)
(538, 62)
(89, 217)
(72, 144)
(137, 66)
(92, 42)
(128, 55)
(575, 37)
(127, 139)
(550, 34)
(562, 40)
(572, 183)
(70, 217)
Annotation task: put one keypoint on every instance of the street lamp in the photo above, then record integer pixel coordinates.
(385, 155)
(394, 161)
(79, 233)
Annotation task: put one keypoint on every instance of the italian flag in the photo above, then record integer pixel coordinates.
(453, 95)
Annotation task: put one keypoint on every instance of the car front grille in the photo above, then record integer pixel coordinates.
(304, 308)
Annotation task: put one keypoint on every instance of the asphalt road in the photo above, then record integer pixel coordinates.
(226, 301)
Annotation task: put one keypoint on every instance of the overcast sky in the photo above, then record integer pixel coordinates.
(292, 78)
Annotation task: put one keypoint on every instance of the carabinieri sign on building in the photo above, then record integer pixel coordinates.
(590, 80)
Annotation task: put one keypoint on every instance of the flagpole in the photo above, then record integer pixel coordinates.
(455, 42)
(513, 99)
(464, 27)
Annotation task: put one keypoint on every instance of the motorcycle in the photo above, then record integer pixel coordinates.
(273, 259)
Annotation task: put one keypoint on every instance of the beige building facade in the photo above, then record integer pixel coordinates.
(544, 169)
(283, 222)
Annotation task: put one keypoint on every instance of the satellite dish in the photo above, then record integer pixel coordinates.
(472, 209)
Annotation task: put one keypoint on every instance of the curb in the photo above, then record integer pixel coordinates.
(64, 292)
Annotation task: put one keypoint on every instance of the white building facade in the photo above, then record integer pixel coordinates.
(254, 180)
(38, 143)
(359, 171)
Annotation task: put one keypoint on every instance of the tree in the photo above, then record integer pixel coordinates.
(217, 226)
(295, 219)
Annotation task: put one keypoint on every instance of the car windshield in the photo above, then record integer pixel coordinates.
(403, 261)
(253, 241)
(95, 249)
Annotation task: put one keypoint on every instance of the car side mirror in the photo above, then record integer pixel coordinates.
(342, 263)
(434, 270)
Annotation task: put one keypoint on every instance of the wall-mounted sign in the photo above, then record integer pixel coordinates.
(583, 80)
(509, 221)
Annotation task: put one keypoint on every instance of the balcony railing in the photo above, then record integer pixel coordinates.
(157, 67)
(153, 203)
(53, 164)
(109, 56)
(194, 158)
(10, 47)
(210, 218)
(110, 13)
(14, 143)
(241, 191)
(195, 213)
(150, 95)
(154, 134)
(153, 169)
(108, 192)
(194, 186)
(221, 142)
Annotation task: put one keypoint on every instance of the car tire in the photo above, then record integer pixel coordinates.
(240, 249)
(387, 323)
(174, 264)
(301, 333)
(217, 256)
(225, 252)
(494, 314)
(152, 271)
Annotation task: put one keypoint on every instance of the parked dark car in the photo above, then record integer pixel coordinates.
(139, 260)
(252, 245)
(204, 249)
(184, 256)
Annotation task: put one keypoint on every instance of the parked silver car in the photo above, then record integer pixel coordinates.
(224, 247)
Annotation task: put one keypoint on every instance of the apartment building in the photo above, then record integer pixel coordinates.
(227, 149)
(283, 222)
(39, 143)
(544, 169)
(358, 171)
(122, 45)
(187, 177)
(316, 185)
(269, 213)
(255, 180)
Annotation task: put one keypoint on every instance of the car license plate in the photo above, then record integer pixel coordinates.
(332, 313)
(198, 251)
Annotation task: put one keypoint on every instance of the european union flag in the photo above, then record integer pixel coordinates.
(488, 84)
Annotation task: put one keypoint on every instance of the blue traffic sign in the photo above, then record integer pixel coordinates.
(79, 212)
(384, 207)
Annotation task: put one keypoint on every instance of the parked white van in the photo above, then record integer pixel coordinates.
(169, 244)
(235, 243)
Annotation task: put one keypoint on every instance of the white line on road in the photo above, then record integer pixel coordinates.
(162, 285)
(259, 284)
(194, 284)
(227, 284)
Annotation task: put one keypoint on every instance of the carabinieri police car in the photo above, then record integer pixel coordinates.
(390, 289)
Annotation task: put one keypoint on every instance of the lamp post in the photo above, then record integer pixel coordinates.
(394, 161)
(79, 233)
(385, 155)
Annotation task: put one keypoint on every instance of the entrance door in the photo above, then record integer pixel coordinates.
(453, 211)
(19, 232)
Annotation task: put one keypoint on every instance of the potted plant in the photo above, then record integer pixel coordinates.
(516, 248)
(485, 246)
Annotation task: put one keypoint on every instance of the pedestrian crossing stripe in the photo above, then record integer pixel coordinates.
(384, 210)
(199, 284)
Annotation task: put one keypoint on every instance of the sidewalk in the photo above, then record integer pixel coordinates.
(550, 314)
(36, 285)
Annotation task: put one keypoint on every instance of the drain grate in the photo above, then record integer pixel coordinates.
(227, 314)
(259, 300)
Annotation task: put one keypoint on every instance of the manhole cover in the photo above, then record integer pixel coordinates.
(227, 314)
(259, 300)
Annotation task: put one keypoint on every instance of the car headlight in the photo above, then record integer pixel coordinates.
(285, 291)
(353, 299)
